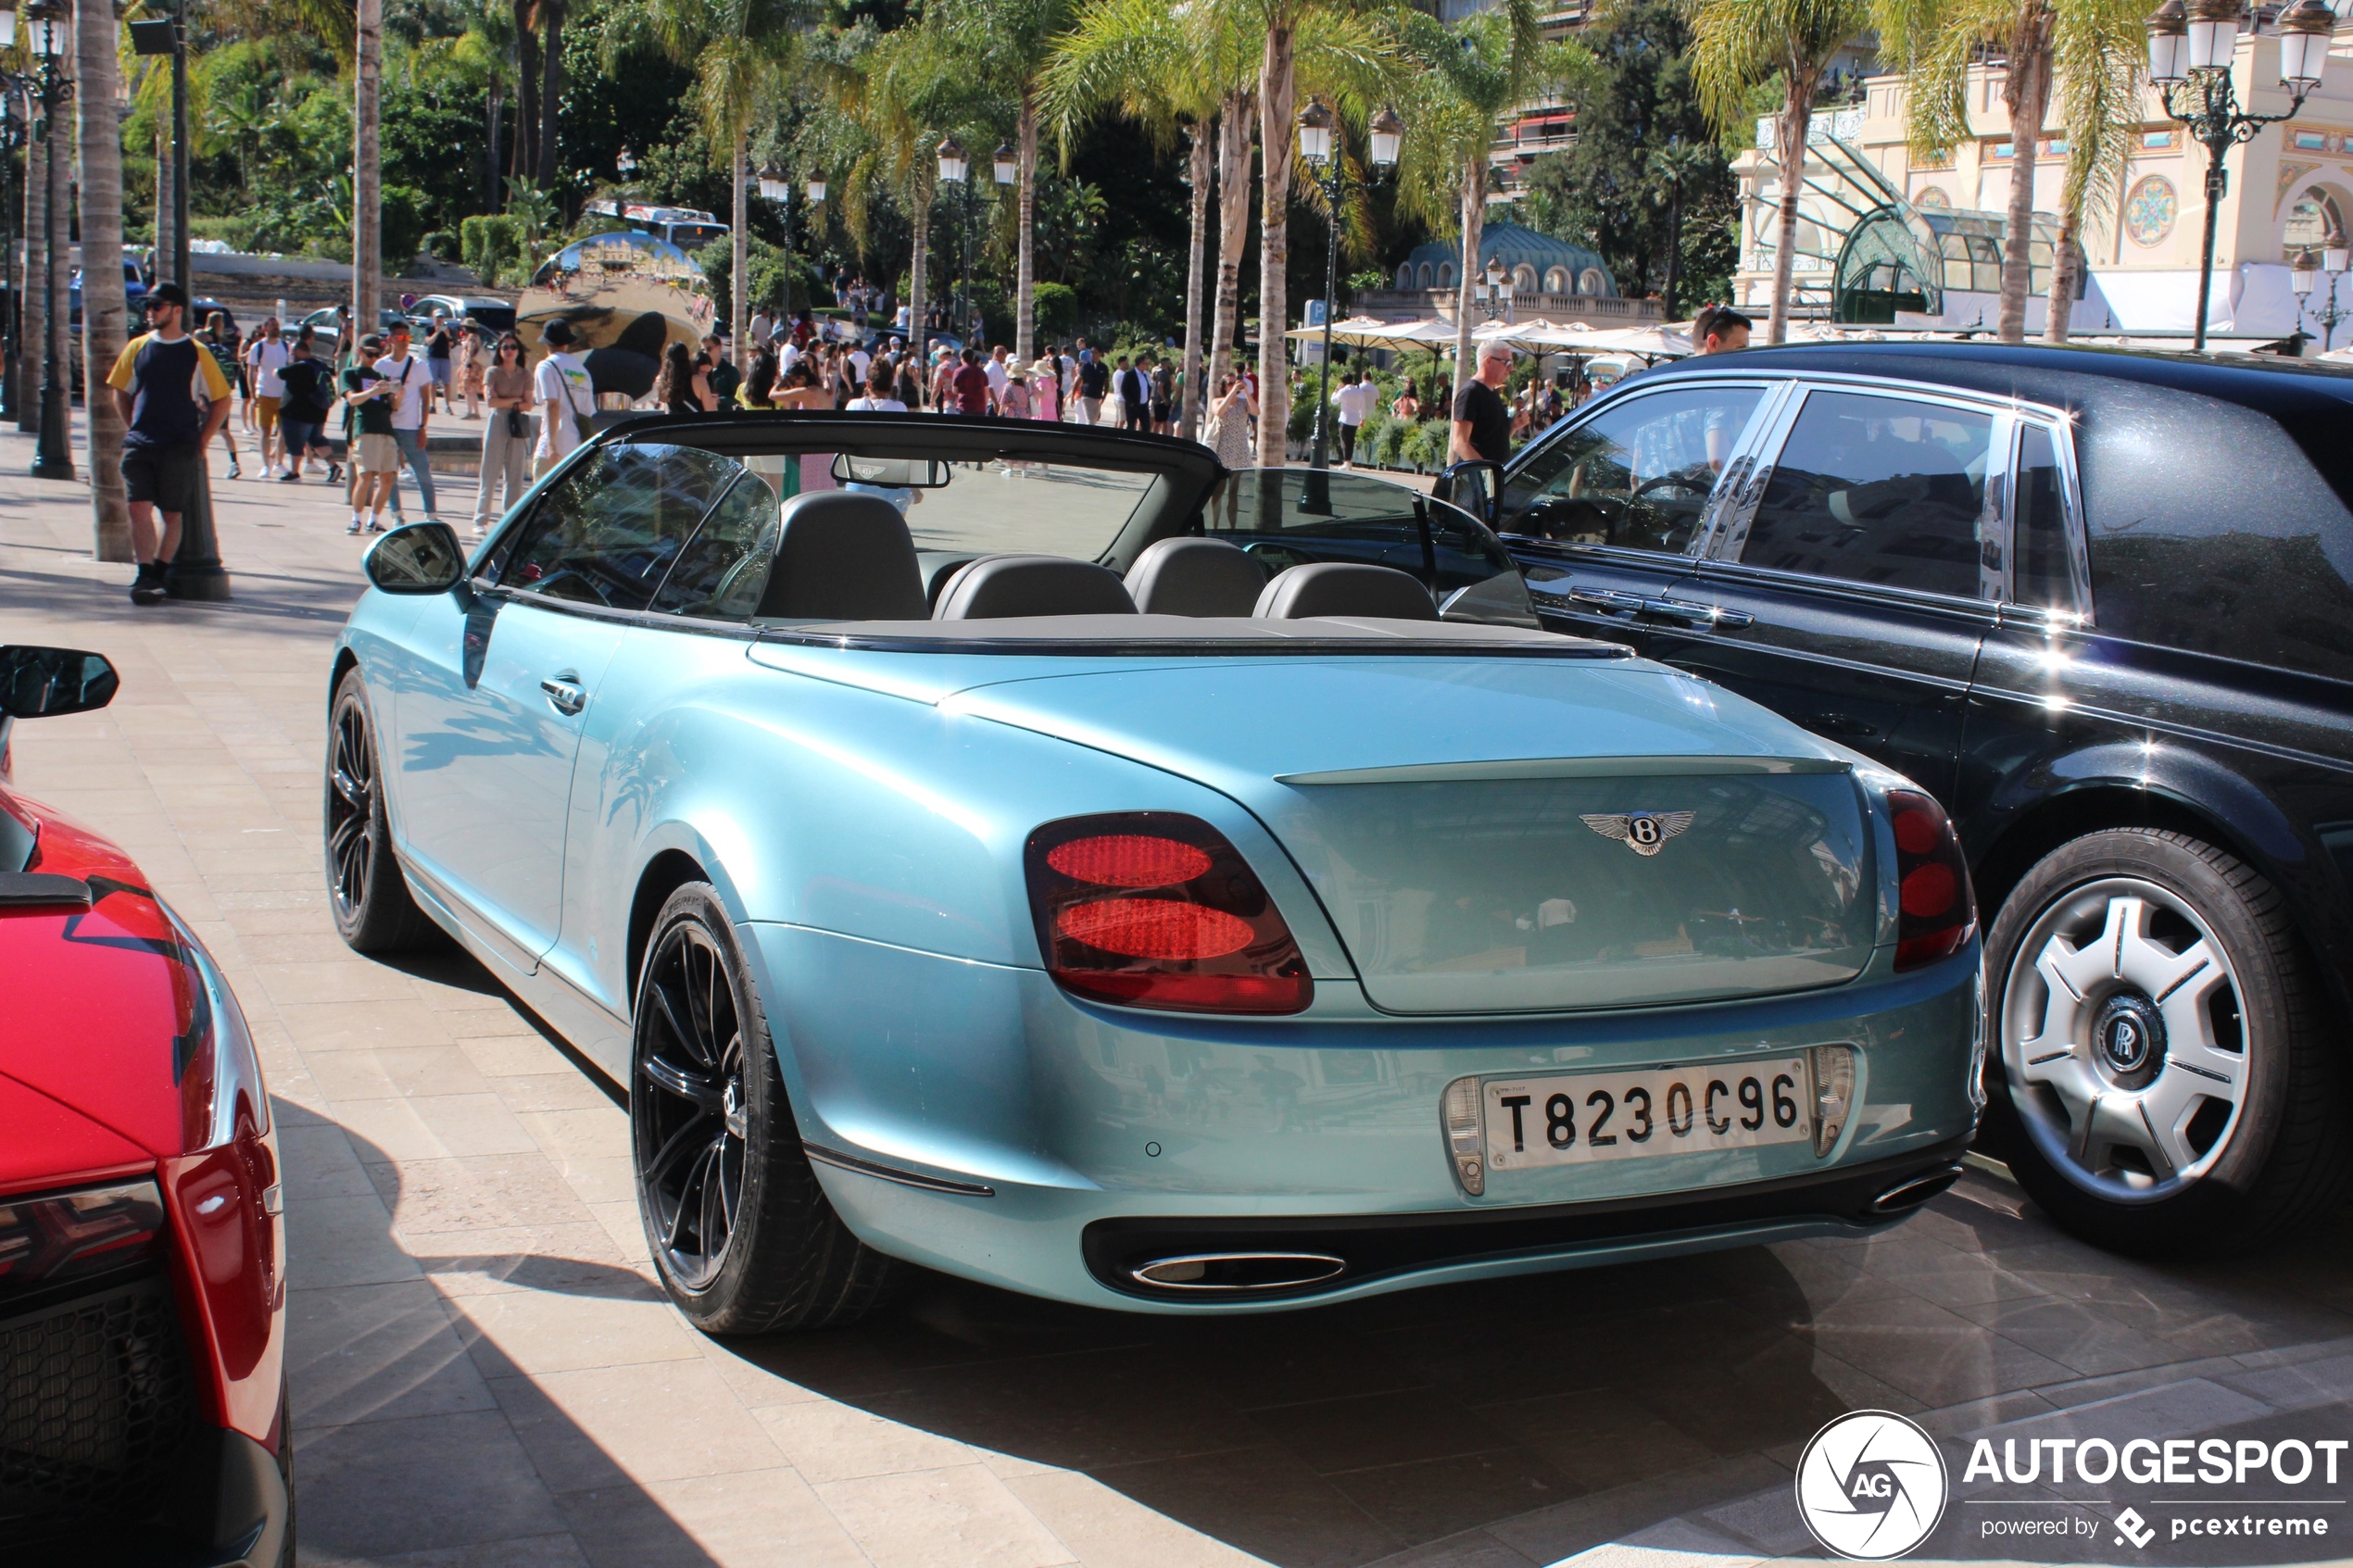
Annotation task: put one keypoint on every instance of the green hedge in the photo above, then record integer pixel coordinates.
(492, 248)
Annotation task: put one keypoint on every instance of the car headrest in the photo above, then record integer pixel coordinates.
(1342, 588)
(1195, 577)
(995, 586)
(842, 555)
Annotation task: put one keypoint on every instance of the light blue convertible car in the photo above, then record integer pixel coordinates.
(1038, 854)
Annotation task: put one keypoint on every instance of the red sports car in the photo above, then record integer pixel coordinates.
(143, 1393)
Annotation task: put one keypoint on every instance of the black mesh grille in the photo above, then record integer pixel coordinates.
(95, 1403)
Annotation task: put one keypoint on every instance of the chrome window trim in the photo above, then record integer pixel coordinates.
(1775, 389)
(2060, 428)
(2001, 456)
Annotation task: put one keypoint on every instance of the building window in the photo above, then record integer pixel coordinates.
(1589, 280)
(1932, 198)
(2155, 141)
(2310, 222)
(2148, 210)
(2310, 141)
(1404, 276)
(1426, 274)
(1524, 279)
(1998, 151)
(1445, 274)
(1556, 280)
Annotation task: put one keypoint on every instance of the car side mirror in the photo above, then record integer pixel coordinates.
(420, 559)
(1474, 486)
(43, 682)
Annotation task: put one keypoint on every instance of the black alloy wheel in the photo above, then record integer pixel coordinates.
(741, 1233)
(366, 892)
(691, 1127)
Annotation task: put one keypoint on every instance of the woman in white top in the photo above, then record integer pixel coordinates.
(878, 400)
(1232, 413)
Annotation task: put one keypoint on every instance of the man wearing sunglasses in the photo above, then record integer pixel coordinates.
(173, 400)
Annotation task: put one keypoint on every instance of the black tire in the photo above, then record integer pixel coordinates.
(741, 1234)
(2212, 1176)
(369, 898)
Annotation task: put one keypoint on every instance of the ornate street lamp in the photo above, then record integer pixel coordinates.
(1319, 143)
(625, 162)
(954, 165)
(773, 186)
(13, 133)
(953, 162)
(1008, 164)
(2194, 46)
(2304, 275)
(816, 189)
(46, 35)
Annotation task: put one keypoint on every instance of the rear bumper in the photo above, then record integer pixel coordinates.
(978, 1121)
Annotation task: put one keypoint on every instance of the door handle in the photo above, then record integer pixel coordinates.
(565, 695)
(1692, 614)
(1607, 598)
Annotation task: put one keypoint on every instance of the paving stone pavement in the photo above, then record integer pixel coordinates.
(484, 1372)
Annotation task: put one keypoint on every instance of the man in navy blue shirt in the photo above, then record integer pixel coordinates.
(174, 399)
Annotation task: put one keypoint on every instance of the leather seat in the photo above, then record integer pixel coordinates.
(1195, 577)
(1343, 588)
(996, 588)
(842, 555)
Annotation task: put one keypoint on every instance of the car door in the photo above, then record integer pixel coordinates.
(489, 722)
(1605, 517)
(1852, 582)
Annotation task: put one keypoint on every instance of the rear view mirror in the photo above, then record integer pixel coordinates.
(1473, 487)
(420, 559)
(893, 473)
(41, 683)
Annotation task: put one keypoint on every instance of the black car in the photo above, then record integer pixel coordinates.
(2101, 604)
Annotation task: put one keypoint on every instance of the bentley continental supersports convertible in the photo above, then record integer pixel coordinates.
(1040, 854)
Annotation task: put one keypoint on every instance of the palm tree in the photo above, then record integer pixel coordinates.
(1740, 44)
(367, 213)
(1172, 68)
(1469, 76)
(1934, 43)
(2099, 58)
(742, 52)
(1677, 165)
(551, 15)
(102, 301)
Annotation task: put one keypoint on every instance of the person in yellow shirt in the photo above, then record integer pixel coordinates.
(174, 399)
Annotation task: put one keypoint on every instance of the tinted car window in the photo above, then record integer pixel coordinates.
(2040, 569)
(608, 534)
(720, 573)
(1881, 490)
(1290, 517)
(1636, 476)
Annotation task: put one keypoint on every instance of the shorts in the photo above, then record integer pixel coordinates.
(377, 452)
(1160, 410)
(439, 370)
(265, 412)
(164, 477)
(302, 437)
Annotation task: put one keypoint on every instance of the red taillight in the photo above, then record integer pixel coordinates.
(1155, 909)
(1936, 913)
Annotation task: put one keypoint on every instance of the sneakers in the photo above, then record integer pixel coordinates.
(234, 472)
(355, 524)
(146, 588)
(289, 477)
(334, 474)
(375, 525)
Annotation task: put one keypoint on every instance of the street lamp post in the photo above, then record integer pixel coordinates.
(2305, 273)
(53, 458)
(1008, 172)
(1495, 294)
(953, 167)
(1319, 143)
(2194, 45)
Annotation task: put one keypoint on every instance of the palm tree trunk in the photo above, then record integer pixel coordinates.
(367, 214)
(1473, 221)
(1024, 270)
(1797, 118)
(102, 294)
(1674, 248)
(1197, 174)
(32, 324)
(2026, 95)
(551, 95)
(1275, 84)
(493, 102)
(2061, 303)
(526, 160)
(918, 338)
(739, 248)
(1233, 228)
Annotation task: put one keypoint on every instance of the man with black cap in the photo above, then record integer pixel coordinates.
(172, 399)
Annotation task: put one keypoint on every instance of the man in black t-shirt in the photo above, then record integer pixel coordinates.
(1482, 425)
(1094, 382)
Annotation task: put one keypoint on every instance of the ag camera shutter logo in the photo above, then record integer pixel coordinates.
(1871, 1485)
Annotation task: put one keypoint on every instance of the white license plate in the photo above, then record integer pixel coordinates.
(1585, 1118)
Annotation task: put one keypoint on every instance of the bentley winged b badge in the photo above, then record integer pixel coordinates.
(1646, 832)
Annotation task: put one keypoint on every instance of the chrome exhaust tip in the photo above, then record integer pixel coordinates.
(1913, 1191)
(1234, 1273)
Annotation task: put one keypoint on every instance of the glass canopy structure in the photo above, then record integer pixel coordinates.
(1898, 256)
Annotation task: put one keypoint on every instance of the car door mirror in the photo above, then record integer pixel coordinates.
(1475, 486)
(43, 682)
(420, 559)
